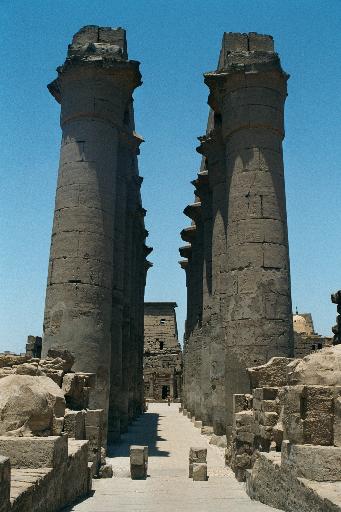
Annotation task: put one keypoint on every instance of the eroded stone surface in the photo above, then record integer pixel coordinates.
(29, 404)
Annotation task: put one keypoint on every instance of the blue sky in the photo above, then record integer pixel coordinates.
(176, 42)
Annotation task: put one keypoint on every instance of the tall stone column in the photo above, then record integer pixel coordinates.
(185, 252)
(194, 358)
(248, 92)
(128, 147)
(204, 193)
(93, 87)
(212, 148)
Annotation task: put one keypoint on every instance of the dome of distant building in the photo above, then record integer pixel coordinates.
(303, 324)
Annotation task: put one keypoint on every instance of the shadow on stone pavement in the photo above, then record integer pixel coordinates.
(143, 431)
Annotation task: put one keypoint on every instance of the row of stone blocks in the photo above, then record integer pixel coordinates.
(197, 456)
(188, 414)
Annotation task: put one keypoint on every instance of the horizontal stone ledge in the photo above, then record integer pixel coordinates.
(35, 452)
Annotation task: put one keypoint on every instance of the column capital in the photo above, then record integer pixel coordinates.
(130, 140)
(183, 264)
(185, 251)
(188, 234)
(213, 148)
(193, 211)
(254, 68)
(147, 250)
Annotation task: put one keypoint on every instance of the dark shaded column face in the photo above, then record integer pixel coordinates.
(93, 87)
(249, 93)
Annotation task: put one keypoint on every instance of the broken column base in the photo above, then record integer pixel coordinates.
(275, 485)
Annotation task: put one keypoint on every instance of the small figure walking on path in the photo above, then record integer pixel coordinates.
(168, 400)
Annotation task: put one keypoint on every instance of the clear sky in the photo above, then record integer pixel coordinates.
(176, 42)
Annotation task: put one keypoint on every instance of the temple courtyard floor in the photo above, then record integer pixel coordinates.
(169, 435)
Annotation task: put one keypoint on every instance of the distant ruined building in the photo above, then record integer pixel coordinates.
(162, 352)
(97, 268)
(236, 258)
(306, 340)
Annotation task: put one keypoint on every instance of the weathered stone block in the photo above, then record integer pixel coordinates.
(74, 424)
(207, 431)
(198, 424)
(106, 471)
(5, 483)
(197, 454)
(76, 391)
(320, 463)
(239, 403)
(57, 426)
(35, 452)
(138, 462)
(308, 414)
(337, 422)
(268, 418)
(28, 405)
(271, 374)
(199, 472)
(315, 369)
(94, 417)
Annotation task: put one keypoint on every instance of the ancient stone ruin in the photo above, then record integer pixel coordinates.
(162, 352)
(97, 268)
(254, 379)
(306, 340)
(286, 435)
(237, 261)
(58, 412)
(50, 438)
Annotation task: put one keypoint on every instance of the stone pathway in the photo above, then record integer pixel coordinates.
(169, 436)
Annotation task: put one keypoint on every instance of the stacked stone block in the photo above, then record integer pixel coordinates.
(289, 430)
(97, 269)
(237, 264)
(138, 462)
(198, 464)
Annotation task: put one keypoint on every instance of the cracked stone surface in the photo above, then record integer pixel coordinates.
(169, 436)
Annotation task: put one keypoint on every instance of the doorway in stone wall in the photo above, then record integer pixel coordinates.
(165, 392)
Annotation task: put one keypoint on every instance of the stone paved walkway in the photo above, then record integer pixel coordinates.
(169, 436)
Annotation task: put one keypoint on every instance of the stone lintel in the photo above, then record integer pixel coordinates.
(188, 234)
